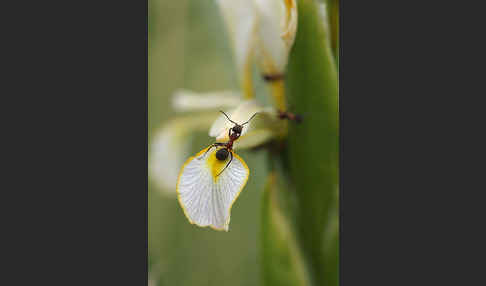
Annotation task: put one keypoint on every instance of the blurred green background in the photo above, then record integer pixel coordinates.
(189, 48)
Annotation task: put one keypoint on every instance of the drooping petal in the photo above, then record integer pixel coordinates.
(188, 100)
(206, 191)
(170, 146)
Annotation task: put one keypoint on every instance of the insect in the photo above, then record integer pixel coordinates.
(233, 134)
(211, 181)
(290, 116)
(273, 77)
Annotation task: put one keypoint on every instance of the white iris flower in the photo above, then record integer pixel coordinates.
(170, 145)
(209, 182)
(267, 27)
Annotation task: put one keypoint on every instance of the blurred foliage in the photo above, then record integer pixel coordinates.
(282, 259)
(285, 231)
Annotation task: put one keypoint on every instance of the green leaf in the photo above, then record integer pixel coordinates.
(282, 259)
(312, 90)
(333, 12)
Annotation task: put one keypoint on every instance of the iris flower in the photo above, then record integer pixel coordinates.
(261, 31)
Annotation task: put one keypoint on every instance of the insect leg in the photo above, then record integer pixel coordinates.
(213, 145)
(231, 154)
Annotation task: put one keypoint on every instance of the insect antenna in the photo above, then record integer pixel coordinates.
(250, 118)
(228, 117)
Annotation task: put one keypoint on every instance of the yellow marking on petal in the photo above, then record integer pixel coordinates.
(231, 205)
(215, 165)
(291, 23)
(288, 5)
(278, 92)
(247, 83)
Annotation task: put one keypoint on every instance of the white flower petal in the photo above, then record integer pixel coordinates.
(254, 138)
(220, 125)
(276, 33)
(290, 25)
(264, 127)
(170, 146)
(240, 115)
(187, 100)
(207, 197)
(240, 18)
(167, 155)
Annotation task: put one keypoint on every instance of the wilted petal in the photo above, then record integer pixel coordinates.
(187, 100)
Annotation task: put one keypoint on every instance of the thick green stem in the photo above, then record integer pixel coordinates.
(282, 258)
(312, 90)
(305, 209)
